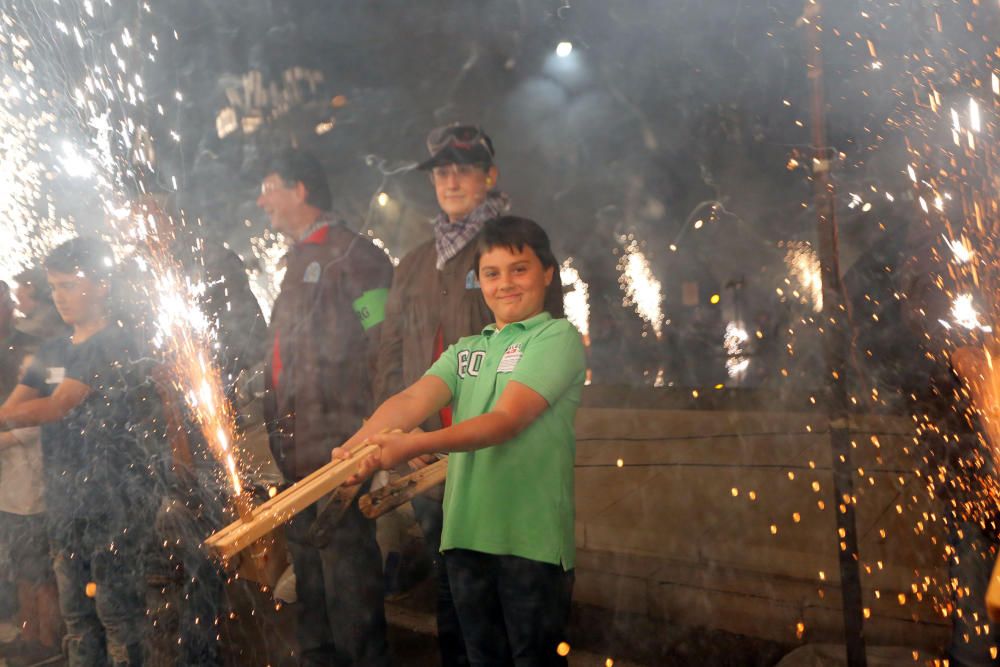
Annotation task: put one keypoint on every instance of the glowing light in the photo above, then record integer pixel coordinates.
(576, 301)
(964, 313)
(960, 249)
(268, 271)
(563, 49)
(715, 298)
(974, 120)
(562, 649)
(734, 341)
(75, 164)
(642, 289)
(383, 199)
(804, 267)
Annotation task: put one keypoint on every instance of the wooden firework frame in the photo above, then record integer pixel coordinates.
(256, 523)
(398, 492)
(268, 557)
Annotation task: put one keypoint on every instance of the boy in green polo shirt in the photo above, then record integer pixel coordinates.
(508, 506)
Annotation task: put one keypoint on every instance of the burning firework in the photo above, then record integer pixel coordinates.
(185, 335)
(734, 341)
(80, 67)
(268, 272)
(29, 227)
(576, 301)
(642, 289)
(803, 267)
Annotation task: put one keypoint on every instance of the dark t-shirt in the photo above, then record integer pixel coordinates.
(98, 459)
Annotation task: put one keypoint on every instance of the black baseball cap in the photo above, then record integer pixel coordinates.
(458, 144)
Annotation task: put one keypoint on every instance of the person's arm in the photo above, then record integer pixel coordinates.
(404, 411)
(8, 440)
(37, 411)
(551, 365)
(517, 407)
(21, 394)
(367, 281)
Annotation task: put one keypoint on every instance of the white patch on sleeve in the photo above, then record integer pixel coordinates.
(312, 273)
(55, 375)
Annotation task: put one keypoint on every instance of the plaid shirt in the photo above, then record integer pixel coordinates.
(451, 237)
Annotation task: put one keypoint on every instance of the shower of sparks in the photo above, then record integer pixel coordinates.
(185, 335)
(63, 71)
(267, 272)
(950, 132)
(576, 301)
(803, 266)
(29, 227)
(964, 313)
(734, 341)
(642, 289)
(960, 250)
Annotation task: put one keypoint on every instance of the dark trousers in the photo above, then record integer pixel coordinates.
(513, 611)
(105, 624)
(430, 516)
(341, 612)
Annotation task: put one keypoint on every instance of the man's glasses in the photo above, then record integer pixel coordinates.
(461, 170)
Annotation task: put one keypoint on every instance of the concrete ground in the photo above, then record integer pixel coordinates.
(412, 641)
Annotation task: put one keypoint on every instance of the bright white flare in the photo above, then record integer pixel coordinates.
(963, 311)
(642, 289)
(960, 249)
(734, 341)
(576, 302)
(269, 270)
(564, 49)
(804, 267)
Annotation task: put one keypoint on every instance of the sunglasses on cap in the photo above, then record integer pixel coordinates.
(462, 137)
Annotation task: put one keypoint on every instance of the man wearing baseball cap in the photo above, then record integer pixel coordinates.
(435, 299)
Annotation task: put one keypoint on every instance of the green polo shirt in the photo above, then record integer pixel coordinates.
(515, 498)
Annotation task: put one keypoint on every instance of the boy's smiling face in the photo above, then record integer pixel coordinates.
(513, 283)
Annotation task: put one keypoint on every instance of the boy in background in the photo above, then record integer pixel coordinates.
(86, 393)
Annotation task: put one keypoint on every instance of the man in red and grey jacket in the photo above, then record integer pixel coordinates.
(324, 333)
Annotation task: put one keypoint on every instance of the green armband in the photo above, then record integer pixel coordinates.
(370, 307)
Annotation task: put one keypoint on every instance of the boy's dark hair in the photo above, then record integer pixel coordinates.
(89, 256)
(35, 279)
(297, 166)
(515, 233)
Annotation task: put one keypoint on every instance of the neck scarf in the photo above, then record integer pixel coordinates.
(451, 237)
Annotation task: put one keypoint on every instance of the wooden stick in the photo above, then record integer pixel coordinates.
(400, 491)
(277, 511)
